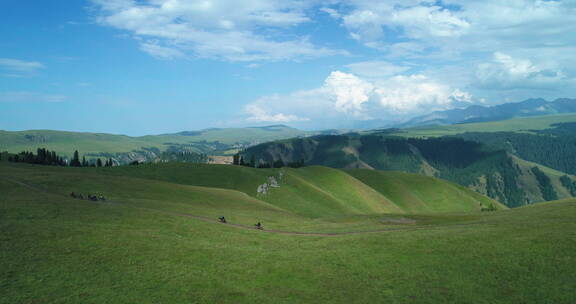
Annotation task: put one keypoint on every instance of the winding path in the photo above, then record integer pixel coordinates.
(248, 227)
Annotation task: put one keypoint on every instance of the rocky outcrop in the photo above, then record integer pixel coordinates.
(271, 182)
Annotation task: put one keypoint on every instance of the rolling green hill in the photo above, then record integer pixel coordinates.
(416, 193)
(125, 149)
(157, 241)
(311, 191)
(487, 169)
(524, 124)
(479, 113)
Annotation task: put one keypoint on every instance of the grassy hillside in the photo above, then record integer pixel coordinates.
(64, 143)
(489, 170)
(232, 136)
(122, 147)
(311, 191)
(142, 247)
(416, 193)
(523, 124)
(553, 147)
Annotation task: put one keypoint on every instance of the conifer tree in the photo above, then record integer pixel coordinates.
(98, 163)
(75, 160)
(279, 163)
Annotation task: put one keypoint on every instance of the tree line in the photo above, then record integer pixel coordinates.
(239, 160)
(50, 158)
(554, 147)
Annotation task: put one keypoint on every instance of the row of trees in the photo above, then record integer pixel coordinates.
(42, 157)
(50, 158)
(239, 160)
(568, 184)
(75, 162)
(545, 185)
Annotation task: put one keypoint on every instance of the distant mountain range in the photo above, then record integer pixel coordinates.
(477, 113)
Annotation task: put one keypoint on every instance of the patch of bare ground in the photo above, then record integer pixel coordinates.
(398, 221)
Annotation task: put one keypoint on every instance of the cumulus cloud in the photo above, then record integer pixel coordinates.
(259, 114)
(505, 71)
(347, 96)
(369, 22)
(487, 47)
(461, 32)
(348, 92)
(19, 68)
(417, 93)
(495, 46)
(230, 30)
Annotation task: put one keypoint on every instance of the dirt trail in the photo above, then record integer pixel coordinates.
(248, 227)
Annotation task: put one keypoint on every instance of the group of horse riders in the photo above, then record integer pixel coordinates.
(88, 196)
(258, 225)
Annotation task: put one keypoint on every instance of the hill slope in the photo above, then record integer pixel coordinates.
(476, 113)
(489, 170)
(524, 125)
(311, 191)
(124, 149)
(141, 247)
(416, 193)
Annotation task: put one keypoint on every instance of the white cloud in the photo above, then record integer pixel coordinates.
(349, 97)
(30, 97)
(19, 68)
(417, 93)
(369, 22)
(452, 28)
(429, 21)
(259, 114)
(489, 47)
(348, 92)
(499, 49)
(507, 72)
(332, 12)
(223, 29)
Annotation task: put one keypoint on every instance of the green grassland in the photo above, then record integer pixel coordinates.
(523, 124)
(148, 244)
(489, 169)
(417, 193)
(64, 143)
(232, 135)
(313, 191)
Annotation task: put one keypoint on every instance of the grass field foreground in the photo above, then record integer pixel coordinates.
(140, 247)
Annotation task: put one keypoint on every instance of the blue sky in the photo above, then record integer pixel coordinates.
(158, 66)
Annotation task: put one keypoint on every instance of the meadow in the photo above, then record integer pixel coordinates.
(156, 239)
(522, 124)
